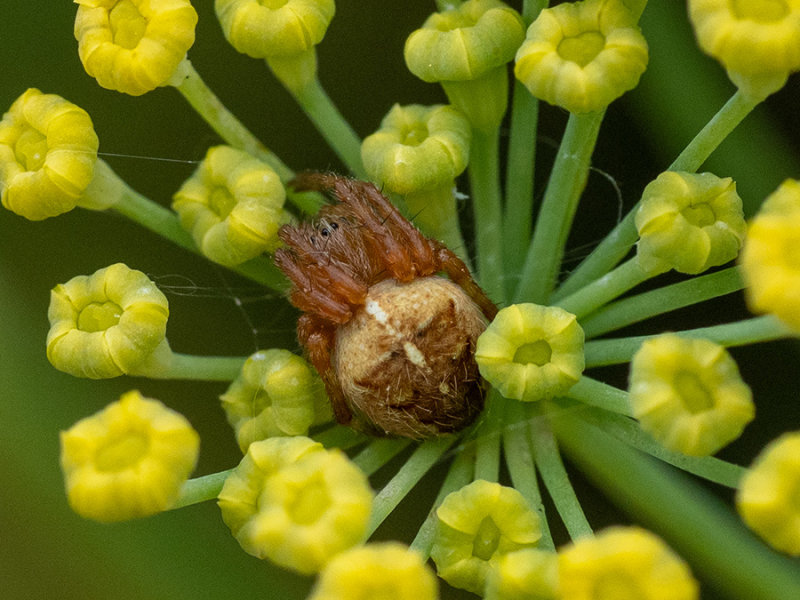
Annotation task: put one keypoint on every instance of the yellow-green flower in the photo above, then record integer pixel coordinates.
(232, 205)
(133, 46)
(757, 41)
(527, 574)
(582, 55)
(386, 570)
(276, 393)
(769, 262)
(48, 150)
(688, 394)
(110, 323)
(128, 460)
(417, 148)
(531, 352)
(466, 49)
(689, 222)
(623, 563)
(295, 503)
(768, 497)
(477, 525)
(286, 27)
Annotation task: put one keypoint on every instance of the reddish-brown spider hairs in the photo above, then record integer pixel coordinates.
(394, 344)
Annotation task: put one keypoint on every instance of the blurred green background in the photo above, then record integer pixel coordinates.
(46, 550)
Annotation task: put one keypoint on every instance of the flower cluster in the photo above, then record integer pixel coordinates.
(302, 493)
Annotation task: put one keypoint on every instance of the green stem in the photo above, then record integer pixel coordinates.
(596, 393)
(519, 460)
(567, 180)
(203, 368)
(322, 112)
(601, 291)
(339, 436)
(600, 353)
(378, 453)
(620, 240)
(695, 523)
(656, 302)
(221, 120)
(165, 223)
(201, 489)
(459, 475)
(518, 215)
(434, 211)
(487, 444)
(627, 430)
(484, 181)
(418, 464)
(554, 475)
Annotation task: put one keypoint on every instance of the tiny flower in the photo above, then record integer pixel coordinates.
(232, 206)
(689, 222)
(106, 324)
(380, 570)
(688, 394)
(528, 574)
(768, 498)
(582, 55)
(48, 150)
(768, 262)
(477, 525)
(623, 562)
(133, 46)
(466, 49)
(276, 393)
(758, 42)
(295, 503)
(417, 148)
(531, 352)
(128, 460)
(265, 29)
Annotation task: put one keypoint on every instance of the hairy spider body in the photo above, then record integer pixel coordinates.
(393, 342)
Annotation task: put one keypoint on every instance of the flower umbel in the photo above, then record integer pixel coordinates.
(48, 149)
(129, 460)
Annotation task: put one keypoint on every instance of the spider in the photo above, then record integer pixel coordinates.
(393, 342)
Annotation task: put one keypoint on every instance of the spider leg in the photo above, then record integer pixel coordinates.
(318, 337)
(457, 271)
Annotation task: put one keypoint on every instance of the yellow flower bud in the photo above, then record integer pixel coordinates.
(624, 562)
(276, 393)
(106, 324)
(48, 150)
(688, 394)
(527, 574)
(767, 497)
(531, 352)
(295, 503)
(417, 148)
(689, 222)
(129, 460)
(757, 41)
(477, 525)
(465, 42)
(582, 55)
(769, 266)
(466, 48)
(382, 570)
(265, 29)
(133, 46)
(232, 206)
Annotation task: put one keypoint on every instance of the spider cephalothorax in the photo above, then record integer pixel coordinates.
(393, 342)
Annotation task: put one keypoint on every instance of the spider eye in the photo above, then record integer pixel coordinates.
(334, 225)
(324, 232)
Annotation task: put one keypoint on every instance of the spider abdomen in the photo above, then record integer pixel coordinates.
(405, 361)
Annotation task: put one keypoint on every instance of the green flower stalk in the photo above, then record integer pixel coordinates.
(503, 519)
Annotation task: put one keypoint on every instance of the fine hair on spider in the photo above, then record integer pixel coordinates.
(393, 341)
